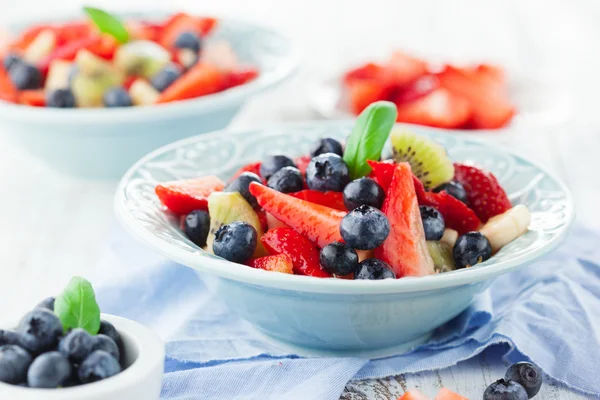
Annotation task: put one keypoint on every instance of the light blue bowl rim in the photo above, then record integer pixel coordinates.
(204, 104)
(242, 273)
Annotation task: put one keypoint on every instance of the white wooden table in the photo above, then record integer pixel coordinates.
(53, 227)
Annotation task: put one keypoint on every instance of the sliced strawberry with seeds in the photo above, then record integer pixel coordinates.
(382, 173)
(364, 92)
(439, 108)
(252, 167)
(415, 90)
(402, 69)
(333, 200)
(185, 196)
(277, 263)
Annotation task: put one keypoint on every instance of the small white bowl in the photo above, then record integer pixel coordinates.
(144, 356)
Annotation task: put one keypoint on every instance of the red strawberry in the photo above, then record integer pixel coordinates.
(447, 394)
(278, 263)
(369, 71)
(329, 199)
(185, 196)
(403, 69)
(303, 253)
(262, 217)
(302, 163)
(415, 90)
(239, 77)
(413, 394)
(485, 195)
(382, 173)
(318, 223)
(439, 108)
(364, 92)
(252, 167)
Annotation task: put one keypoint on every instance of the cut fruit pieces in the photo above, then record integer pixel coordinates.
(143, 93)
(200, 80)
(405, 249)
(364, 92)
(440, 108)
(428, 159)
(141, 58)
(450, 236)
(413, 394)
(333, 200)
(504, 228)
(277, 263)
(58, 75)
(185, 196)
(41, 47)
(447, 394)
(318, 223)
(441, 254)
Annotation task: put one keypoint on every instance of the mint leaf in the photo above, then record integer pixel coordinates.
(368, 137)
(76, 306)
(108, 23)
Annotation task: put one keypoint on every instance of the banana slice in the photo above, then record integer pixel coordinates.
(43, 44)
(142, 93)
(58, 75)
(450, 236)
(504, 228)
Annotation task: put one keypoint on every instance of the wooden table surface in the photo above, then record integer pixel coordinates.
(54, 226)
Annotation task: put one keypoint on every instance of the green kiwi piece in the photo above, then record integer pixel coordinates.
(428, 160)
(227, 207)
(141, 58)
(441, 254)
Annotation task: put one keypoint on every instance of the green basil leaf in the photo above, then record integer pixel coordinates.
(371, 131)
(76, 306)
(108, 23)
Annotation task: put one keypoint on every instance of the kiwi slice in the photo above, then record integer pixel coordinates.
(141, 58)
(227, 207)
(428, 160)
(441, 254)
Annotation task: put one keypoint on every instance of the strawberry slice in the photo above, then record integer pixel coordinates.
(303, 253)
(364, 92)
(382, 173)
(188, 195)
(183, 22)
(252, 167)
(485, 195)
(302, 163)
(333, 200)
(35, 97)
(416, 89)
(369, 71)
(239, 77)
(447, 394)
(413, 395)
(318, 223)
(278, 263)
(440, 108)
(403, 69)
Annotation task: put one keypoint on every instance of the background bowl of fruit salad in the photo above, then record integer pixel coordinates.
(93, 93)
(355, 237)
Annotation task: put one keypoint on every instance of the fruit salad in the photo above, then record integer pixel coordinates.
(472, 97)
(106, 62)
(343, 211)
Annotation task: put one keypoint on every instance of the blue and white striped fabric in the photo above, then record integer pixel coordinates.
(549, 313)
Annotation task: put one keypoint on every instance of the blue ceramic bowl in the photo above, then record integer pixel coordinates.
(324, 316)
(103, 143)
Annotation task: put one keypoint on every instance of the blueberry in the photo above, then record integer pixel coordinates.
(103, 342)
(10, 60)
(374, 269)
(326, 145)
(470, 249)
(364, 228)
(235, 242)
(338, 258)
(454, 189)
(47, 303)
(14, 362)
(527, 375)
(60, 98)
(272, 164)
(286, 180)
(117, 97)
(327, 172)
(40, 330)
(76, 345)
(188, 40)
(505, 390)
(196, 226)
(241, 184)
(433, 223)
(97, 366)
(165, 77)
(49, 370)
(363, 191)
(108, 329)
(10, 337)
(25, 76)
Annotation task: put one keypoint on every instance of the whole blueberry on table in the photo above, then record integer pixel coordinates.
(165, 77)
(117, 97)
(454, 189)
(274, 163)
(76, 345)
(470, 249)
(505, 390)
(338, 258)
(188, 40)
(40, 330)
(326, 145)
(363, 191)
(364, 228)
(374, 269)
(9, 337)
(433, 223)
(10, 60)
(235, 242)
(327, 172)
(97, 366)
(25, 76)
(103, 342)
(14, 362)
(108, 329)
(60, 98)
(47, 303)
(527, 375)
(49, 370)
(196, 226)
(286, 180)
(241, 184)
